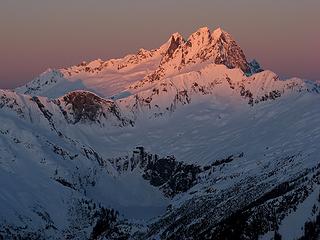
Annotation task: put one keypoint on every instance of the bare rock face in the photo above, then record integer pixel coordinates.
(255, 67)
(86, 106)
(228, 52)
(176, 41)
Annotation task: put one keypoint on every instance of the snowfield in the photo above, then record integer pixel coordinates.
(188, 141)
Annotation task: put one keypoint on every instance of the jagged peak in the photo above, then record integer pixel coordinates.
(176, 40)
(201, 37)
(201, 31)
(175, 36)
(217, 33)
(221, 35)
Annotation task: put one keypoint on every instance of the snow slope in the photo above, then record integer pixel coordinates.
(199, 149)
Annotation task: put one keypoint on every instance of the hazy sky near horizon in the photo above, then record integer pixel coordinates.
(283, 35)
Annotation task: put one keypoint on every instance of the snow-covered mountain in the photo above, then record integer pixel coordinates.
(114, 76)
(187, 141)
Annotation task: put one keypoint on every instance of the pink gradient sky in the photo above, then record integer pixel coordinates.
(283, 35)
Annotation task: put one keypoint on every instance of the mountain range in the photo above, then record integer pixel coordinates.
(187, 141)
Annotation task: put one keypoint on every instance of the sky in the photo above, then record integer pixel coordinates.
(283, 35)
